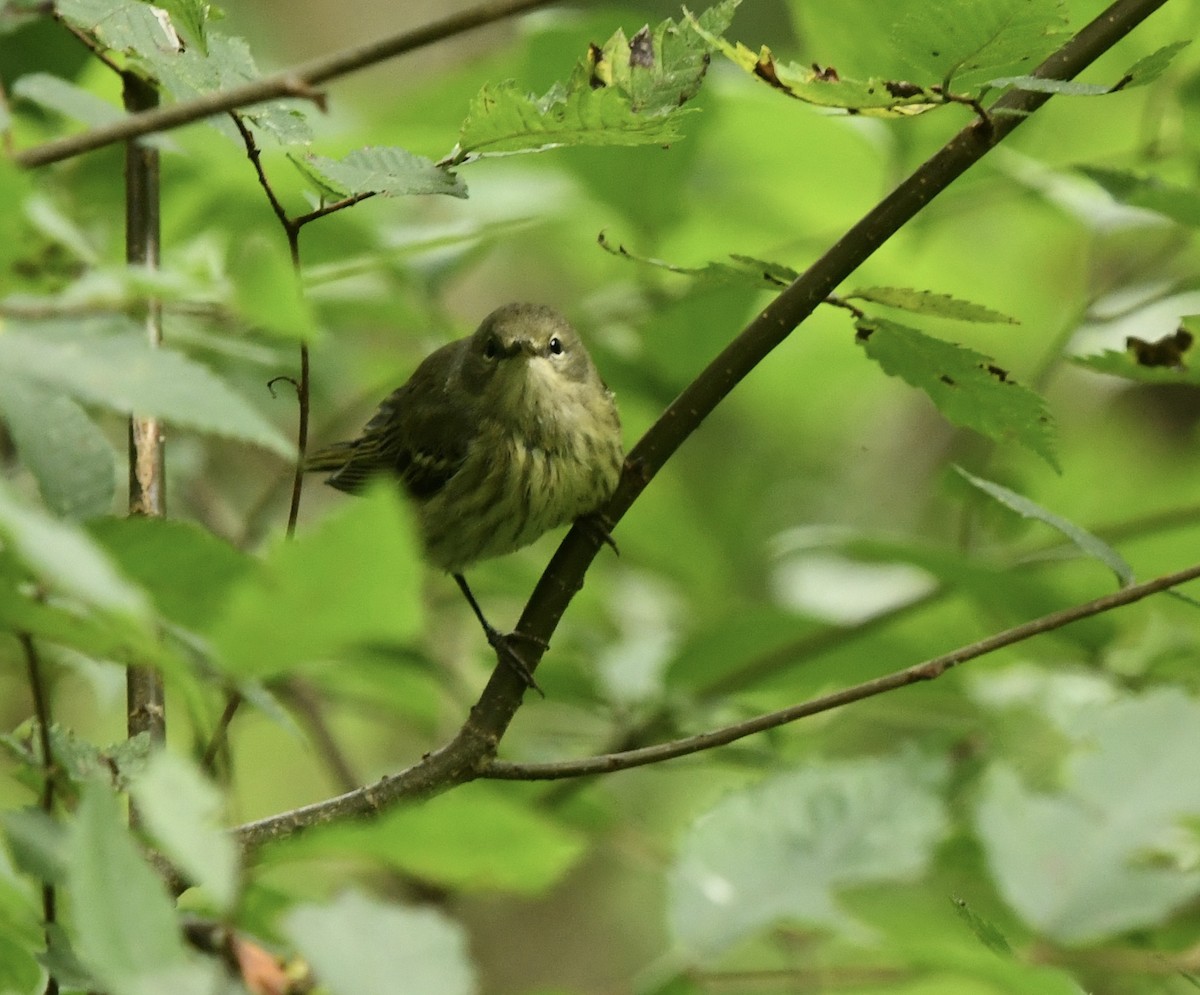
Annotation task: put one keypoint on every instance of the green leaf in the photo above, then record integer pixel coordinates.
(59, 95)
(38, 843)
(186, 569)
(119, 25)
(65, 560)
(1123, 364)
(745, 269)
(1095, 859)
(384, 170)
(190, 18)
(354, 579)
(966, 386)
(800, 836)
(227, 63)
(218, 62)
(1180, 204)
(1087, 543)
(474, 838)
(69, 457)
(124, 921)
(182, 812)
(1151, 67)
(628, 92)
(358, 944)
(927, 302)
(108, 362)
(267, 290)
(811, 85)
(962, 43)
(987, 933)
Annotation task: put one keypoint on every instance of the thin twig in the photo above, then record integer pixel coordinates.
(41, 711)
(927, 671)
(327, 209)
(220, 736)
(291, 228)
(296, 82)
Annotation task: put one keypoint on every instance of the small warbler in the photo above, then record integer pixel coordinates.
(497, 438)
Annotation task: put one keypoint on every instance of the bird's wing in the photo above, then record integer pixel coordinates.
(419, 434)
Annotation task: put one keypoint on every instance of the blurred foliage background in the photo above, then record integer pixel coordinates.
(1026, 823)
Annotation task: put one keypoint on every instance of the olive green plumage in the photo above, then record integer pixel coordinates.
(497, 438)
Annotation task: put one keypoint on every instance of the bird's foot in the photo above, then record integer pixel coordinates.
(600, 529)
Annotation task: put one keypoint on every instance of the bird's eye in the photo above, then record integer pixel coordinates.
(491, 348)
(556, 346)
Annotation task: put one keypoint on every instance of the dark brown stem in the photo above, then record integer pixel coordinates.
(296, 82)
(147, 479)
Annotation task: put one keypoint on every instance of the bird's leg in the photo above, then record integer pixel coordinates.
(600, 529)
(501, 643)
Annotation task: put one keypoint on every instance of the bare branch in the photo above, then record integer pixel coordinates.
(296, 82)
(927, 671)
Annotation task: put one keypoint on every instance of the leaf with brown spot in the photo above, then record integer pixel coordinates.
(962, 384)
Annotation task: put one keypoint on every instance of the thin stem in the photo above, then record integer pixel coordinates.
(220, 736)
(927, 671)
(291, 228)
(296, 82)
(302, 395)
(41, 711)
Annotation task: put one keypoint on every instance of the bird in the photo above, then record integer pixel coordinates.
(496, 438)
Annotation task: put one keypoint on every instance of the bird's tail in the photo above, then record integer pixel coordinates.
(331, 458)
(344, 462)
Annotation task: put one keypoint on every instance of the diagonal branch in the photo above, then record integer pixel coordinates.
(298, 81)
